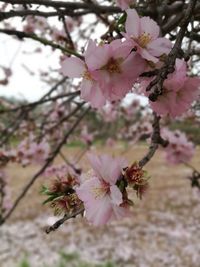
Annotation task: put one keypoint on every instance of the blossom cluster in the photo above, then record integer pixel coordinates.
(179, 149)
(28, 151)
(102, 190)
(179, 91)
(110, 70)
(61, 194)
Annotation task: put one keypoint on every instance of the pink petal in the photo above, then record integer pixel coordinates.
(145, 54)
(73, 67)
(113, 86)
(132, 73)
(132, 24)
(91, 93)
(116, 195)
(165, 104)
(95, 163)
(110, 169)
(96, 56)
(85, 191)
(177, 79)
(148, 25)
(99, 213)
(159, 47)
(121, 49)
(106, 167)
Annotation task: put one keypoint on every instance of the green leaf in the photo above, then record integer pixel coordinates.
(122, 20)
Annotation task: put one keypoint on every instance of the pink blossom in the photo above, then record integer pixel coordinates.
(115, 72)
(60, 171)
(124, 4)
(179, 91)
(179, 149)
(108, 72)
(143, 33)
(40, 151)
(30, 151)
(74, 67)
(102, 198)
(58, 35)
(33, 24)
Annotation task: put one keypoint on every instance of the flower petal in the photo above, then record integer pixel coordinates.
(116, 195)
(96, 56)
(145, 54)
(73, 67)
(99, 213)
(159, 47)
(149, 26)
(91, 92)
(132, 24)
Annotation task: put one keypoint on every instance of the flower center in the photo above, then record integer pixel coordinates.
(179, 94)
(144, 39)
(100, 191)
(113, 66)
(87, 76)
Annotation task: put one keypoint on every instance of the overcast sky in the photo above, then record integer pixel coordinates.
(18, 55)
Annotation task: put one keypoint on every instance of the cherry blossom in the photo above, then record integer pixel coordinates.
(90, 90)
(179, 91)
(115, 71)
(179, 149)
(29, 151)
(107, 72)
(32, 24)
(143, 34)
(102, 198)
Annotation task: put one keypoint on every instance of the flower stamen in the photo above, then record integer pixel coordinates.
(144, 39)
(113, 66)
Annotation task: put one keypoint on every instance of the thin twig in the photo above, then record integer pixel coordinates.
(21, 35)
(57, 224)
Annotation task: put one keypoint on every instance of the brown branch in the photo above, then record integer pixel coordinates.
(21, 35)
(92, 8)
(156, 140)
(24, 13)
(57, 224)
(29, 106)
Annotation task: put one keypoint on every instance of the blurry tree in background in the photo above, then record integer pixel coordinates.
(110, 57)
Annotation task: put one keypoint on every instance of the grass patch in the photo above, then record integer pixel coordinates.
(68, 260)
